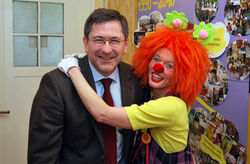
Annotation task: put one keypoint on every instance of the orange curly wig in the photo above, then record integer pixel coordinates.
(192, 63)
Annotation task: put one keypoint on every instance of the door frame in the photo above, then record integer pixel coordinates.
(8, 73)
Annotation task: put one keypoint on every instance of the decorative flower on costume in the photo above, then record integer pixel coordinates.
(204, 33)
(176, 20)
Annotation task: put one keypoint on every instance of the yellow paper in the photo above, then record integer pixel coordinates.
(213, 150)
(219, 42)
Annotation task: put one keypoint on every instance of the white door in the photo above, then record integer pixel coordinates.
(20, 74)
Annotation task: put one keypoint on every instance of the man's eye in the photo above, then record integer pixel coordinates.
(114, 42)
(99, 41)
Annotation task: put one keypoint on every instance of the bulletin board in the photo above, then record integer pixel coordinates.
(223, 105)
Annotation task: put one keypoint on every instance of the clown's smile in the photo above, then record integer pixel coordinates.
(156, 77)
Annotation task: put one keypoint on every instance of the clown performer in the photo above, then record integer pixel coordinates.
(175, 66)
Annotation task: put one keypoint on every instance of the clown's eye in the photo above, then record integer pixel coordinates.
(156, 59)
(169, 65)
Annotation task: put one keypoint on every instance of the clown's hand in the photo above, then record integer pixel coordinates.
(76, 55)
(65, 64)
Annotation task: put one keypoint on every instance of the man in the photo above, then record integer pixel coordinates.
(61, 129)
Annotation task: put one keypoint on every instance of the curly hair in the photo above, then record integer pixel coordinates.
(191, 65)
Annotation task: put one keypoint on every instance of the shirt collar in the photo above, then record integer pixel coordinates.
(97, 76)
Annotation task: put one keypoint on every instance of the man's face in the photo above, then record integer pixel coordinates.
(105, 57)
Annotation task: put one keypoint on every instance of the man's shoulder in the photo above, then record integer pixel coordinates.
(55, 75)
(56, 80)
(55, 72)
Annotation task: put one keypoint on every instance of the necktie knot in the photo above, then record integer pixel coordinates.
(107, 95)
(106, 83)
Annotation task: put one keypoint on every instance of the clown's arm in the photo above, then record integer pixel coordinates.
(103, 113)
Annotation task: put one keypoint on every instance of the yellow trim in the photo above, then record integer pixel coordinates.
(194, 20)
(205, 104)
(189, 109)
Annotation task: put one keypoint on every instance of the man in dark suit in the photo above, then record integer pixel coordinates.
(61, 129)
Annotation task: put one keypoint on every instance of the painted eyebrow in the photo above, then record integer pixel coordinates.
(170, 62)
(156, 55)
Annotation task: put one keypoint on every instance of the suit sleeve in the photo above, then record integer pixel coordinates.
(46, 123)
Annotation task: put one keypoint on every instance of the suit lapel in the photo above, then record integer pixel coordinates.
(128, 98)
(126, 83)
(86, 71)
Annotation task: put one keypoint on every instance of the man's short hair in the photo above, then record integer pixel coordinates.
(103, 15)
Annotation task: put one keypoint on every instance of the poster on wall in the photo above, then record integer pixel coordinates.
(238, 59)
(220, 42)
(219, 119)
(204, 12)
(214, 139)
(215, 89)
(146, 24)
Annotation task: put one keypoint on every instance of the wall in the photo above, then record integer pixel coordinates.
(128, 9)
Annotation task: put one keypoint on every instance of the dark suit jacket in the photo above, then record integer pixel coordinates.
(61, 129)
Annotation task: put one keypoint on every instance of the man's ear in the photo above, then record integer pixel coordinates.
(85, 43)
(126, 46)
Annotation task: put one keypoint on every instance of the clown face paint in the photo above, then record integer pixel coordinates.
(160, 70)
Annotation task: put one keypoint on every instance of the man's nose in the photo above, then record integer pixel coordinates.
(107, 47)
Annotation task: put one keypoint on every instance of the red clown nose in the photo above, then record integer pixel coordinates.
(158, 68)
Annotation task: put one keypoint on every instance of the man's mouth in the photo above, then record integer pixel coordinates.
(105, 58)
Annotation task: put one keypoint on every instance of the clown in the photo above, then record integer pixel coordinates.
(175, 66)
